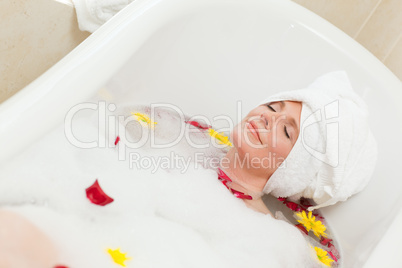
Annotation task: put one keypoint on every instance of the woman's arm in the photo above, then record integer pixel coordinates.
(22, 244)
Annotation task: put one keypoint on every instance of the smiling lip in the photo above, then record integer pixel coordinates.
(254, 130)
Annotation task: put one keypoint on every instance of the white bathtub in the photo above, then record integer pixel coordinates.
(204, 56)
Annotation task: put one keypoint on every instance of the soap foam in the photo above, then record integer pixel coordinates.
(160, 219)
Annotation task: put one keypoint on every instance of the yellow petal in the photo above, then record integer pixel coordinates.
(222, 139)
(322, 256)
(143, 119)
(118, 257)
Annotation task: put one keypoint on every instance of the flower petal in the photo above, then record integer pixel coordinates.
(302, 228)
(117, 140)
(241, 195)
(198, 125)
(97, 196)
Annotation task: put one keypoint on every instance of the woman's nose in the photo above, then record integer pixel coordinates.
(270, 118)
(264, 119)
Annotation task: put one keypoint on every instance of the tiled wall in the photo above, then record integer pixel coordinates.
(34, 35)
(376, 24)
(31, 42)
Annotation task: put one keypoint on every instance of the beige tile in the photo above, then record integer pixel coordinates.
(382, 30)
(394, 59)
(34, 35)
(347, 15)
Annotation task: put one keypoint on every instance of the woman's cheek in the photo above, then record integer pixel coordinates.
(282, 150)
(234, 136)
(237, 136)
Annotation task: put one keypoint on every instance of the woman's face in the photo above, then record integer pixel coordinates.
(265, 137)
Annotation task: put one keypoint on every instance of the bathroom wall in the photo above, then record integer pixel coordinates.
(376, 24)
(34, 35)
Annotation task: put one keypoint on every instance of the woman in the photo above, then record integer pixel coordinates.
(313, 143)
(262, 141)
(283, 147)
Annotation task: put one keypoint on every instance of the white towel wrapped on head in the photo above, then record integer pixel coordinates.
(335, 153)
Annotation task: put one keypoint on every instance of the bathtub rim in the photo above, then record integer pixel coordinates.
(37, 90)
(305, 18)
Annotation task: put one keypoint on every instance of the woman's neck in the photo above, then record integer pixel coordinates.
(239, 184)
(241, 178)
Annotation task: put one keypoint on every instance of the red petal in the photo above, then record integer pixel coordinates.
(301, 227)
(282, 199)
(96, 195)
(325, 241)
(241, 195)
(293, 206)
(60, 266)
(117, 140)
(225, 183)
(197, 124)
(304, 202)
(334, 251)
(333, 256)
(222, 175)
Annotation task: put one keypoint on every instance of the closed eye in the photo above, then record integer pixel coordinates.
(286, 132)
(270, 107)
